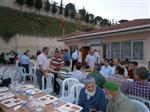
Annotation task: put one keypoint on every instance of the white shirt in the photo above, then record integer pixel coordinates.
(42, 61)
(106, 70)
(90, 60)
(78, 75)
(97, 56)
(75, 55)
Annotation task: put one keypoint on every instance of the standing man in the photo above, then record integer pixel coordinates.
(56, 64)
(42, 65)
(97, 56)
(66, 56)
(91, 58)
(25, 61)
(75, 56)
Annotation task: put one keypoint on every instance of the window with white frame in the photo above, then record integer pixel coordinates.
(137, 50)
(133, 50)
(126, 50)
(115, 50)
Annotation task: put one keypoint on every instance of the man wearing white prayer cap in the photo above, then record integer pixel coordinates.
(92, 98)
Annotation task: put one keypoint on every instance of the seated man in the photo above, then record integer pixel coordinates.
(65, 70)
(140, 86)
(119, 76)
(78, 74)
(132, 66)
(99, 78)
(92, 98)
(106, 69)
(118, 102)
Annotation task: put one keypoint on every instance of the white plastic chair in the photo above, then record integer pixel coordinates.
(23, 73)
(75, 92)
(2, 69)
(143, 100)
(139, 106)
(66, 86)
(7, 73)
(49, 85)
(16, 74)
(32, 71)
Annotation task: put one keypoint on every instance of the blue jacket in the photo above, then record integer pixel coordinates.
(97, 101)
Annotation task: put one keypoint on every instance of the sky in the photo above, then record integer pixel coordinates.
(114, 9)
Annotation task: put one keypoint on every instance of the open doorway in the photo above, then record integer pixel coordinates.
(85, 51)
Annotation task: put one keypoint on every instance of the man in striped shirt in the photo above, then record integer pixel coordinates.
(56, 64)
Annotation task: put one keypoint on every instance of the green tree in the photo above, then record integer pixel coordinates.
(61, 8)
(54, 9)
(105, 23)
(38, 5)
(70, 10)
(47, 6)
(66, 12)
(87, 18)
(91, 18)
(30, 4)
(73, 14)
(98, 20)
(20, 2)
(82, 12)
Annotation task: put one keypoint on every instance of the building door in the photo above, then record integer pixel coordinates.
(84, 53)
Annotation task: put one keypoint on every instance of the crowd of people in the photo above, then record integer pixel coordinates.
(117, 78)
(107, 81)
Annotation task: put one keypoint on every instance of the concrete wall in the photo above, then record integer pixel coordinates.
(22, 43)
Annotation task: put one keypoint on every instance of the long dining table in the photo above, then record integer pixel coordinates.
(47, 107)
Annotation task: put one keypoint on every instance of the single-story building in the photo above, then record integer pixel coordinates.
(129, 40)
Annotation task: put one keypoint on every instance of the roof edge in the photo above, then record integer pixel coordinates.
(106, 32)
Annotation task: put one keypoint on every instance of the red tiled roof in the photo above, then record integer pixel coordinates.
(132, 23)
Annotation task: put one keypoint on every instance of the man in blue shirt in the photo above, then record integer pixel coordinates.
(92, 98)
(66, 56)
(25, 61)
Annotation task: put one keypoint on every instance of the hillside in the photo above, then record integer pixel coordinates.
(12, 22)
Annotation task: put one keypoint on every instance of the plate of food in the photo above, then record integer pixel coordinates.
(69, 107)
(27, 86)
(2, 89)
(47, 99)
(33, 91)
(11, 102)
(6, 95)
